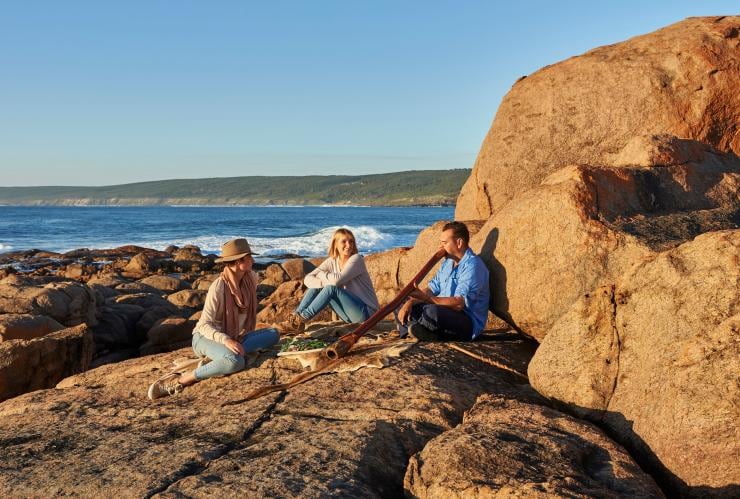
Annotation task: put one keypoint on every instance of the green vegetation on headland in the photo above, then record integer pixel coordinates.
(421, 187)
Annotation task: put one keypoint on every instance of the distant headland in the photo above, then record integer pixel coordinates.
(420, 187)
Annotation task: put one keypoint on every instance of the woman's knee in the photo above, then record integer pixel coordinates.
(232, 363)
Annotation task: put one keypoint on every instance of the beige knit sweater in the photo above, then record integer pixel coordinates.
(211, 323)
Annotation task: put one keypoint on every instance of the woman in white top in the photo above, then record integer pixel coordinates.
(341, 282)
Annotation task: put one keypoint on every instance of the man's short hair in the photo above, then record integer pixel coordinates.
(459, 231)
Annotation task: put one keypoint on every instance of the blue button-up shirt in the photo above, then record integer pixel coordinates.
(469, 279)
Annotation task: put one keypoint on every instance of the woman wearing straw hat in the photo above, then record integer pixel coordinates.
(225, 331)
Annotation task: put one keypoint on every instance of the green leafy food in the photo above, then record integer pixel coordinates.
(301, 344)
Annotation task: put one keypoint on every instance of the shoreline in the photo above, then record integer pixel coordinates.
(190, 204)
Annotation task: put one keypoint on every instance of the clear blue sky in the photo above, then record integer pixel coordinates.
(95, 93)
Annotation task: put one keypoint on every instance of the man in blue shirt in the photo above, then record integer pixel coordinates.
(455, 305)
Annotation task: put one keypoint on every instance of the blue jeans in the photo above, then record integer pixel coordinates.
(348, 307)
(223, 360)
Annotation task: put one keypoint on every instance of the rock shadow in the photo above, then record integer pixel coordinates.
(499, 303)
(671, 484)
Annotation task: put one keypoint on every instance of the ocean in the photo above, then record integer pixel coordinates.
(271, 230)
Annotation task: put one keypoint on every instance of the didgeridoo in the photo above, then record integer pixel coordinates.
(344, 343)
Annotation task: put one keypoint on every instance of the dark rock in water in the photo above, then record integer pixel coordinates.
(285, 256)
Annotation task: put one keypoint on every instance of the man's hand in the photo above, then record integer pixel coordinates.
(404, 312)
(235, 347)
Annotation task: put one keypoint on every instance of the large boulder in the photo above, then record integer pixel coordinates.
(654, 358)
(680, 80)
(27, 365)
(26, 326)
(496, 452)
(66, 302)
(584, 226)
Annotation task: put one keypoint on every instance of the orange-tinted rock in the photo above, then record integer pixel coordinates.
(681, 80)
(297, 268)
(584, 226)
(141, 264)
(485, 457)
(26, 326)
(165, 283)
(192, 298)
(655, 359)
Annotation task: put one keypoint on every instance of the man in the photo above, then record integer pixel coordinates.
(455, 305)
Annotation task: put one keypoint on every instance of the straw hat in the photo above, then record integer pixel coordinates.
(234, 250)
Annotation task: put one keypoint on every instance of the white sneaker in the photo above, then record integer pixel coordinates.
(165, 386)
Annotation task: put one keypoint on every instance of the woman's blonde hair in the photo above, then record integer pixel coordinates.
(333, 251)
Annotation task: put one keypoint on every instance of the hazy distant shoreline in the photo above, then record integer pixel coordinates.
(410, 188)
(211, 203)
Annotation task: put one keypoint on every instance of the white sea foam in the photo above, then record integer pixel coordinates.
(369, 239)
(5, 247)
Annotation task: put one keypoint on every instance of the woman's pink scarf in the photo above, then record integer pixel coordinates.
(240, 298)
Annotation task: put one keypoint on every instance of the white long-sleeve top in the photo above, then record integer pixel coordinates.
(353, 278)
